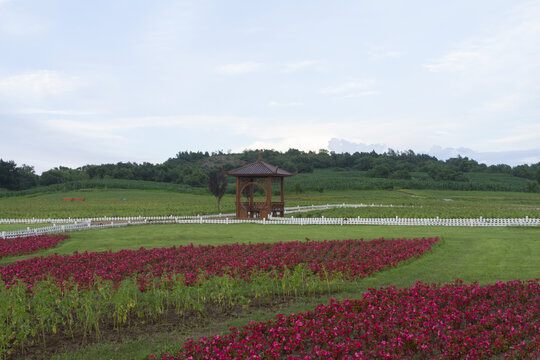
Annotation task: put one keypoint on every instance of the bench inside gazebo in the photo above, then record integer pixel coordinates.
(259, 177)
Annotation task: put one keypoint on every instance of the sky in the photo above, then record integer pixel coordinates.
(104, 81)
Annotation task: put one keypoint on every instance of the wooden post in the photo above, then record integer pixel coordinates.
(269, 195)
(251, 195)
(282, 197)
(282, 210)
(238, 198)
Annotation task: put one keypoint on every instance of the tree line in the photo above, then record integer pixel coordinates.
(193, 168)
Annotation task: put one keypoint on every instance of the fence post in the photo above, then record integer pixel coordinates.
(3, 234)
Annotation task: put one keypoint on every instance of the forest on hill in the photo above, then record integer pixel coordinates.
(191, 169)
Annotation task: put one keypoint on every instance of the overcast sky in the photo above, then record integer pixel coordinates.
(105, 81)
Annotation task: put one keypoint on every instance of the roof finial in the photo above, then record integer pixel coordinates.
(260, 156)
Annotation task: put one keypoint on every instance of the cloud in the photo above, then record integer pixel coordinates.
(379, 53)
(16, 22)
(363, 93)
(509, 45)
(302, 65)
(342, 145)
(347, 87)
(286, 104)
(116, 128)
(352, 89)
(459, 60)
(250, 67)
(512, 158)
(37, 84)
(80, 129)
(240, 68)
(57, 112)
(506, 102)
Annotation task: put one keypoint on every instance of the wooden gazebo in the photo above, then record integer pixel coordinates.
(258, 177)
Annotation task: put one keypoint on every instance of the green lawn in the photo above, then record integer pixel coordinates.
(485, 255)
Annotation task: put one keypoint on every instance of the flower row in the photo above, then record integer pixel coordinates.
(351, 258)
(28, 245)
(426, 321)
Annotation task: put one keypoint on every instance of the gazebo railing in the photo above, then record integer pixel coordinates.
(278, 205)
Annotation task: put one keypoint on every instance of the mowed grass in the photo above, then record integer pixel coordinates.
(418, 203)
(486, 255)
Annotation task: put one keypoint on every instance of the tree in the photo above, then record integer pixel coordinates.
(379, 171)
(217, 184)
(13, 177)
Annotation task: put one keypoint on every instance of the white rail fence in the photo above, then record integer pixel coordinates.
(397, 221)
(56, 229)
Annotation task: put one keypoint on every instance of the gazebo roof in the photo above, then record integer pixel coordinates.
(259, 168)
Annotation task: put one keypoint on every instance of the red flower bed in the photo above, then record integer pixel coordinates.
(423, 322)
(353, 258)
(28, 245)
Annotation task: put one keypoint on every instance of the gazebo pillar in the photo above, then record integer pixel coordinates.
(269, 196)
(251, 194)
(238, 197)
(282, 195)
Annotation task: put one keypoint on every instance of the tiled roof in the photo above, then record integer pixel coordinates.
(259, 168)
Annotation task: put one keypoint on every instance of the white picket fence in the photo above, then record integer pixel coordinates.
(56, 229)
(77, 224)
(397, 221)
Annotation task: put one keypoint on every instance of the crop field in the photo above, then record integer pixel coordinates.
(347, 180)
(282, 291)
(445, 204)
(110, 202)
(418, 203)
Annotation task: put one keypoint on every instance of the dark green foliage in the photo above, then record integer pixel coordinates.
(533, 186)
(400, 174)
(13, 177)
(379, 171)
(190, 169)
